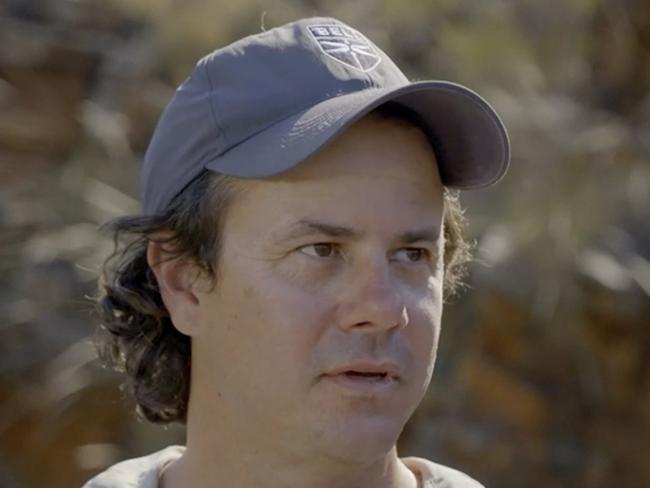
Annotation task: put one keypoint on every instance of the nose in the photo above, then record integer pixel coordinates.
(372, 302)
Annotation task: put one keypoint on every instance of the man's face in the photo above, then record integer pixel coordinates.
(331, 269)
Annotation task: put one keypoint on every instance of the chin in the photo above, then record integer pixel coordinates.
(360, 439)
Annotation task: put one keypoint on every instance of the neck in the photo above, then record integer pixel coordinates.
(217, 456)
(193, 470)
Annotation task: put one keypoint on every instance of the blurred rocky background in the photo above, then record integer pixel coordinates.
(543, 378)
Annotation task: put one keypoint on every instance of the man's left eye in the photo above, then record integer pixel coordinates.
(412, 254)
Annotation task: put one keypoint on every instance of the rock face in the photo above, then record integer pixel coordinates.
(543, 374)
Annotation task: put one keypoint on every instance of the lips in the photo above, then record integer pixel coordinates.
(364, 380)
(376, 371)
(358, 374)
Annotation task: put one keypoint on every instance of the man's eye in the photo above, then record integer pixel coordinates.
(320, 250)
(412, 254)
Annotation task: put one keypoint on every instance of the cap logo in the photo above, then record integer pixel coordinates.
(345, 45)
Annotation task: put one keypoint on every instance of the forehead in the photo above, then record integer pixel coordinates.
(380, 171)
(387, 141)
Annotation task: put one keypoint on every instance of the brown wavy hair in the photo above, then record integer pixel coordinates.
(136, 335)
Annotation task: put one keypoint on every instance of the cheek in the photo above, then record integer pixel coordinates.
(423, 333)
(425, 324)
(265, 323)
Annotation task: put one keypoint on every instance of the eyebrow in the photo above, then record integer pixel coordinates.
(305, 227)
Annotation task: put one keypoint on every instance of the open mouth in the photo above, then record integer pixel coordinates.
(364, 383)
(357, 374)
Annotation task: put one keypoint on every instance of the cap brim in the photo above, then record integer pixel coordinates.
(470, 141)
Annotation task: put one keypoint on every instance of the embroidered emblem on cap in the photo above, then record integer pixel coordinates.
(346, 46)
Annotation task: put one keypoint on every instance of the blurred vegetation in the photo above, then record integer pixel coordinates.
(543, 377)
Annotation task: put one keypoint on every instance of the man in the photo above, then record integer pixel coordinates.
(282, 292)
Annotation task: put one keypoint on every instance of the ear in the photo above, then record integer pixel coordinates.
(177, 280)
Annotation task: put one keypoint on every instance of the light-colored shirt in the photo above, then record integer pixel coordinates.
(144, 472)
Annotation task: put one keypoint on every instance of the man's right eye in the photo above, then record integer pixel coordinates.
(319, 250)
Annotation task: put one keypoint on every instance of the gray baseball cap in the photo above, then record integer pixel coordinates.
(265, 103)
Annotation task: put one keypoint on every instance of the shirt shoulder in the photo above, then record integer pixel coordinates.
(435, 475)
(142, 472)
